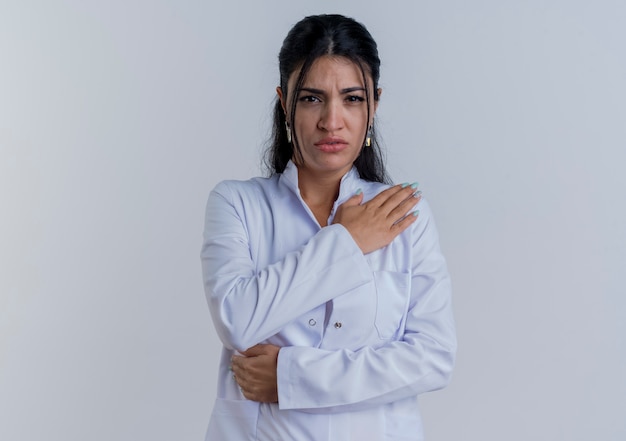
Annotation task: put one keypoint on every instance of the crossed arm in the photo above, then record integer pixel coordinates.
(421, 361)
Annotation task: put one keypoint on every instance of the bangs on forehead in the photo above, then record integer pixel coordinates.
(303, 74)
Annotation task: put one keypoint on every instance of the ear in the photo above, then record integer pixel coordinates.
(281, 97)
(380, 92)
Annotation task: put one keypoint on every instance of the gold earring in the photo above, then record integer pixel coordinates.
(288, 132)
(368, 140)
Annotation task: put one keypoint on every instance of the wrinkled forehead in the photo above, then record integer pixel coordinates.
(335, 67)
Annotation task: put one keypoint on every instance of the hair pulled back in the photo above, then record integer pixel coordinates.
(310, 39)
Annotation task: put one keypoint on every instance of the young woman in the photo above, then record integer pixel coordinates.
(326, 284)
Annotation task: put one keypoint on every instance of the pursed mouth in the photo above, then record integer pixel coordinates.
(331, 141)
(331, 147)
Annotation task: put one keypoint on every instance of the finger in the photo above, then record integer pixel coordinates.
(240, 376)
(390, 198)
(405, 207)
(405, 222)
(236, 370)
(354, 200)
(237, 363)
(399, 196)
(382, 197)
(236, 358)
(236, 378)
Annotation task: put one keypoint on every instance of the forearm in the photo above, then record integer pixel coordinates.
(340, 380)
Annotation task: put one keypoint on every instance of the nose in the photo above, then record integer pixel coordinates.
(331, 118)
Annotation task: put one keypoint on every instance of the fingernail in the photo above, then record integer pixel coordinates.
(405, 185)
(417, 194)
(414, 185)
(416, 213)
(358, 191)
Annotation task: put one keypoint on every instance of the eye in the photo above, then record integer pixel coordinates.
(309, 99)
(355, 99)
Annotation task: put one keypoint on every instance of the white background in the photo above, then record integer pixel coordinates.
(118, 117)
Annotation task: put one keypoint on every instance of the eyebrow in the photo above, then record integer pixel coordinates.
(321, 92)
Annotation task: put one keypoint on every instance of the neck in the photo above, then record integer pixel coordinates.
(319, 193)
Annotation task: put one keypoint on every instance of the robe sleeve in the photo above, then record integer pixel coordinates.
(421, 360)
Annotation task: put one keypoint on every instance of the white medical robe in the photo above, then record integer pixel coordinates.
(361, 336)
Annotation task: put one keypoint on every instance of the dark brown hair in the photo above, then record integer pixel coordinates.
(311, 38)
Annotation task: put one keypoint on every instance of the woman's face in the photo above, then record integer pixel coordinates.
(331, 115)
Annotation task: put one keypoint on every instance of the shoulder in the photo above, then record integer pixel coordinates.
(232, 202)
(243, 189)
